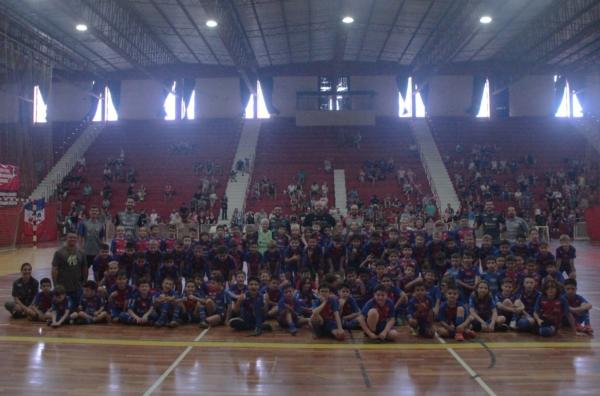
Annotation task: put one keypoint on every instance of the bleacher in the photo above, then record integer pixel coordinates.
(147, 149)
(549, 141)
(284, 149)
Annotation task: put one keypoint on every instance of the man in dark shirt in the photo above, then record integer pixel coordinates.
(320, 215)
(69, 267)
(491, 222)
(277, 220)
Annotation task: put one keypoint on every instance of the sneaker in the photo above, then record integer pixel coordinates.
(172, 324)
(459, 337)
(469, 334)
(203, 325)
(257, 331)
(293, 330)
(414, 331)
(513, 325)
(502, 327)
(159, 323)
(588, 330)
(266, 327)
(580, 328)
(236, 323)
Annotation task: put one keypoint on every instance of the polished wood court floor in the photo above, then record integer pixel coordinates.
(113, 359)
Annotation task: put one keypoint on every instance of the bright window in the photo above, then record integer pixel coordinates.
(40, 109)
(106, 110)
(190, 112)
(569, 104)
(169, 105)
(261, 107)
(484, 106)
(419, 106)
(410, 101)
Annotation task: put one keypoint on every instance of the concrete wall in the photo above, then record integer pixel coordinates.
(9, 104)
(284, 92)
(218, 97)
(68, 102)
(141, 100)
(532, 96)
(337, 118)
(591, 101)
(386, 99)
(449, 95)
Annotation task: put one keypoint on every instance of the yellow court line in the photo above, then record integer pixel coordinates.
(291, 345)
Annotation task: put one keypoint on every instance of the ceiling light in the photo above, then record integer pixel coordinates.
(80, 27)
(485, 19)
(347, 19)
(211, 23)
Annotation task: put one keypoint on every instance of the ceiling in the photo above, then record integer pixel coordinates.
(272, 33)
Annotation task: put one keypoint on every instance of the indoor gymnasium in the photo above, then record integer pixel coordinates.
(299, 197)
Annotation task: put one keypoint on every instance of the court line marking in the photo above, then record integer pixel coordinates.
(164, 375)
(299, 345)
(467, 368)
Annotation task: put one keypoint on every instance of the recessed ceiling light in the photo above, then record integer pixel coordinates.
(347, 19)
(80, 27)
(485, 19)
(211, 23)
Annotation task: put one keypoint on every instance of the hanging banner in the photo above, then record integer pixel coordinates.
(9, 178)
(8, 198)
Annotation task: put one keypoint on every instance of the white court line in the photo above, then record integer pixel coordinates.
(164, 375)
(467, 368)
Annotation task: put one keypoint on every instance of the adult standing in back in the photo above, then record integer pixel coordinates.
(129, 219)
(319, 215)
(515, 225)
(491, 222)
(91, 234)
(69, 267)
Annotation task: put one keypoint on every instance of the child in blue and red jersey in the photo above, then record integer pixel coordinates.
(141, 244)
(42, 303)
(91, 306)
(313, 257)
(528, 297)
(118, 297)
(544, 257)
(168, 269)
(378, 317)
(61, 307)
(110, 278)
(117, 246)
(325, 319)
(167, 305)
(196, 263)
(468, 276)
(179, 256)
(335, 254)
(374, 246)
(289, 311)
(254, 260)
(508, 303)
(534, 243)
(292, 259)
(236, 252)
(407, 259)
(579, 307)
(464, 230)
(140, 307)
(168, 244)
(491, 274)
(141, 269)
(395, 295)
(222, 262)
(419, 251)
(272, 259)
(126, 259)
(249, 310)
(306, 296)
(192, 310)
(355, 255)
(281, 238)
(155, 236)
(483, 311)
(216, 301)
(552, 273)
(238, 287)
(154, 258)
(100, 264)
(520, 248)
(272, 295)
(452, 319)
(349, 309)
(551, 310)
(565, 256)
(487, 248)
(420, 311)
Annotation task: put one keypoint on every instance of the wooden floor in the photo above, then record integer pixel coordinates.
(114, 359)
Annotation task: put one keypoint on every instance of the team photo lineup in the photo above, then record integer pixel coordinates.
(327, 275)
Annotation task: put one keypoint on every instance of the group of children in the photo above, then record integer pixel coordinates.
(365, 280)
